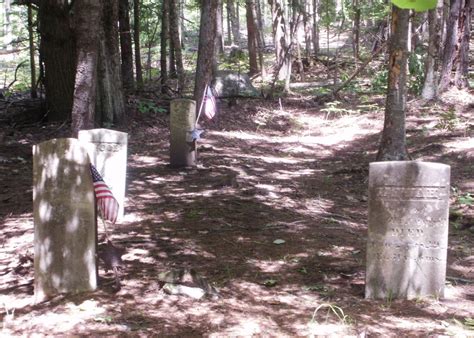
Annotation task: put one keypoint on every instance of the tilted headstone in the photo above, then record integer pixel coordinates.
(108, 152)
(182, 123)
(408, 229)
(64, 219)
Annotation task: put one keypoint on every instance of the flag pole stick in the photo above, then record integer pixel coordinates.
(202, 104)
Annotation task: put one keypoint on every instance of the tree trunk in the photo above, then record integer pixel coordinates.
(234, 21)
(58, 54)
(87, 16)
(315, 27)
(207, 31)
(307, 27)
(126, 45)
(449, 45)
(174, 32)
(356, 29)
(164, 39)
(430, 85)
(110, 105)
(462, 64)
(393, 143)
(219, 49)
(279, 28)
(136, 40)
(260, 24)
(251, 37)
(33, 91)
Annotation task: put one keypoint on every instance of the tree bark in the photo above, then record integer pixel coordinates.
(356, 29)
(430, 85)
(110, 105)
(393, 143)
(251, 37)
(464, 29)
(164, 44)
(136, 40)
(234, 20)
(260, 23)
(33, 91)
(449, 46)
(219, 29)
(279, 28)
(58, 55)
(126, 44)
(315, 27)
(174, 30)
(207, 31)
(87, 16)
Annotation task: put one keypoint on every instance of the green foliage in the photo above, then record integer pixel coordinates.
(417, 5)
(416, 68)
(380, 81)
(466, 199)
(148, 106)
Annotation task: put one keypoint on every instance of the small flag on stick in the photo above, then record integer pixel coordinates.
(210, 104)
(106, 202)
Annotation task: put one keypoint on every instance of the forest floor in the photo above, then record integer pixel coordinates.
(267, 171)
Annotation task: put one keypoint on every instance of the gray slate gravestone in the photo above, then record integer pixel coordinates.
(182, 121)
(408, 229)
(64, 219)
(108, 152)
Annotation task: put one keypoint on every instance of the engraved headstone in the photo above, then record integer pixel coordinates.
(108, 152)
(182, 123)
(408, 229)
(64, 219)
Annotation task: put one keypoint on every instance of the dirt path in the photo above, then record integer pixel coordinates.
(290, 175)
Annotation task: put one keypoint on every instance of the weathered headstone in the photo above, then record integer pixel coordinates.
(108, 152)
(182, 123)
(408, 229)
(64, 219)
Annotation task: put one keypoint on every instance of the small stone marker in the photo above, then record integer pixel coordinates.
(108, 152)
(182, 123)
(408, 229)
(64, 219)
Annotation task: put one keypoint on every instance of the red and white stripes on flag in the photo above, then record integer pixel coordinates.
(210, 104)
(106, 202)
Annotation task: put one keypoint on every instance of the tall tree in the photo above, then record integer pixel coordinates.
(87, 17)
(356, 28)
(393, 143)
(430, 84)
(279, 27)
(464, 29)
(126, 44)
(251, 36)
(175, 37)
(164, 45)
(58, 57)
(207, 31)
(315, 29)
(110, 103)
(220, 28)
(450, 45)
(136, 40)
(234, 20)
(32, 52)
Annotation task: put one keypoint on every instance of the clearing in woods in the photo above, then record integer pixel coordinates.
(274, 217)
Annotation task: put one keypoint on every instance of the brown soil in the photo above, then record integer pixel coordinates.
(296, 174)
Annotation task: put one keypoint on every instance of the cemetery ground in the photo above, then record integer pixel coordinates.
(274, 217)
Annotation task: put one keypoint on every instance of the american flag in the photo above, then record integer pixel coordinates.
(210, 104)
(106, 202)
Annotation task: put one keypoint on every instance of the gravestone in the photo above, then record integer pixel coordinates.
(108, 152)
(182, 123)
(64, 219)
(408, 229)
